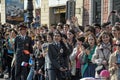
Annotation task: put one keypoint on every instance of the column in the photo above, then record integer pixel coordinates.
(3, 16)
(110, 8)
(79, 11)
(91, 12)
(45, 12)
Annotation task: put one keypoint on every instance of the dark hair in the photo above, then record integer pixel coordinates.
(50, 34)
(85, 45)
(66, 25)
(82, 39)
(91, 29)
(116, 27)
(64, 36)
(57, 32)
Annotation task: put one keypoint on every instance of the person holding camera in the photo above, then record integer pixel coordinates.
(114, 63)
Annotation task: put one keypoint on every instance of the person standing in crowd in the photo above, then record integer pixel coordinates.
(88, 69)
(56, 58)
(45, 53)
(65, 28)
(71, 37)
(114, 62)
(75, 59)
(115, 34)
(23, 47)
(102, 51)
(10, 48)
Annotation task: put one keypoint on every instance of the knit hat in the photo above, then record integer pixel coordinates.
(105, 73)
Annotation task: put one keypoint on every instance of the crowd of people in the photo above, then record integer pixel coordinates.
(60, 52)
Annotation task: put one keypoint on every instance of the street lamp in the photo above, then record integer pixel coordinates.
(29, 13)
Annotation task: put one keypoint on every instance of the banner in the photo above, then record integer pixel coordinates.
(14, 11)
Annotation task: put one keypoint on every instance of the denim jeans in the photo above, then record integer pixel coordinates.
(31, 74)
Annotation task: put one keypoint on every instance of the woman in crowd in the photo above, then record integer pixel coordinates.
(75, 59)
(10, 47)
(71, 37)
(45, 53)
(88, 69)
(102, 51)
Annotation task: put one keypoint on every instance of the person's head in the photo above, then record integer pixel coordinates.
(80, 40)
(115, 31)
(13, 33)
(64, 38)
(105, 38)
(59, 26)
(71, 34)
(52, 27)
(49, 36)
(57, 36)
(66, 28)
(117, 44)
(97, 28)
(91, 39)
(23, 29)
(89, 30)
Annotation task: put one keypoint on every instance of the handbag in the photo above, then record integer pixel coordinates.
(101, 67)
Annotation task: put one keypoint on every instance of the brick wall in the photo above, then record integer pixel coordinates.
(105, 11)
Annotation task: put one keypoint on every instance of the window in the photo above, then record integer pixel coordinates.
(116, 6)
(97, 11)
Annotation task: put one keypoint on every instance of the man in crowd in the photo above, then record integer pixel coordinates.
(23, 47)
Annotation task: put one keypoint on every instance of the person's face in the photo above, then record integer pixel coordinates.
(66, 28)
(23, 31)
(79, 43)
(69, 35)
(91, 40)
(38, 44)
(97, 30)
(118, 45)
(105, 38)
(12, 34)
(49, 39)
(114, 31)
(58, 27)
(57, 37)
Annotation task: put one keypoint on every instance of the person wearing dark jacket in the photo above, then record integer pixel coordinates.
(23, 47)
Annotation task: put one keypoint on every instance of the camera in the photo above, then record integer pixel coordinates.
(113, 11)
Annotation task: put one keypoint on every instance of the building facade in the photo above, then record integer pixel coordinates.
(50, 12)
(97, 11)
(54, 12)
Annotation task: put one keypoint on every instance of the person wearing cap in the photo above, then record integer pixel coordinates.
(23, 47)
(57, 58)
